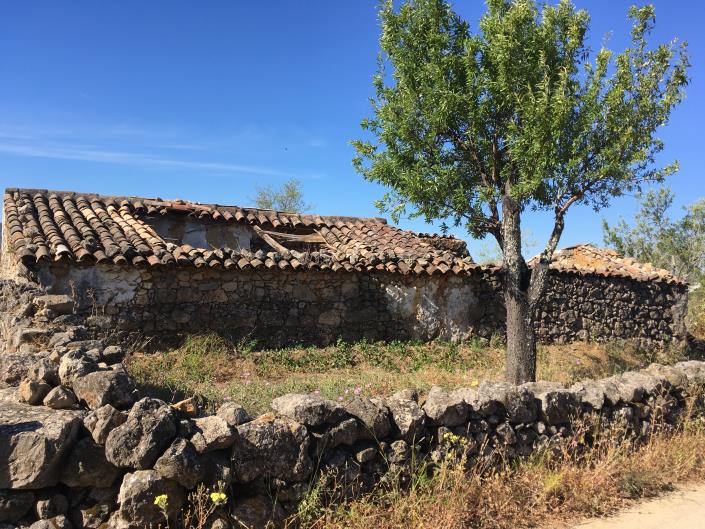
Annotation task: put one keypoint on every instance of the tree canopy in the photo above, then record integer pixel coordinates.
(289, 197)
(457, 116)
(677, 245)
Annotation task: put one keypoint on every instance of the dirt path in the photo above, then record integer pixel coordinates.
(681, 509)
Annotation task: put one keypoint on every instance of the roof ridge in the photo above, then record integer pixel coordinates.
(75, 194)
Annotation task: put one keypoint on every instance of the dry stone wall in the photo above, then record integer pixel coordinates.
(283, 307)
(597, 308)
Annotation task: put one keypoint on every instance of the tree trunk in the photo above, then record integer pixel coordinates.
(521, 343)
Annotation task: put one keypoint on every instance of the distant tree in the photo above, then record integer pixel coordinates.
(289, 197)
(677, 245)
(478, 128)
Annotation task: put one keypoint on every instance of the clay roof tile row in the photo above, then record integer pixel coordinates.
(46, 225)
(65, 226)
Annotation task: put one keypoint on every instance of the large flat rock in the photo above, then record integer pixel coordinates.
(33, 440)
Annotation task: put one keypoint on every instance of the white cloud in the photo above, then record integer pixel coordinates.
(130, 158)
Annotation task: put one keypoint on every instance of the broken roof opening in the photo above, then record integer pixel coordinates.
(285, 240)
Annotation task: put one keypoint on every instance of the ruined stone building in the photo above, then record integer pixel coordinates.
(165, 267)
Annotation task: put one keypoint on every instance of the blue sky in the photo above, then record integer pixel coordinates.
(207, 100)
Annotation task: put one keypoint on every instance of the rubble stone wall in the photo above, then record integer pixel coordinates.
(282, 307)
(596, 308)
(82, 447)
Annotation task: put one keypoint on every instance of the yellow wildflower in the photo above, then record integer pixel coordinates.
(218, 498)
(161, 501)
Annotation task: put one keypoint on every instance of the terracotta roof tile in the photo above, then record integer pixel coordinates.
(587, 259)
(89, 228)
(46, 225)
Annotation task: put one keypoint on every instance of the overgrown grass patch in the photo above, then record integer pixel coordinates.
(216, 368)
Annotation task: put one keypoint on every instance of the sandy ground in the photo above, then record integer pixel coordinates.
(681, 509)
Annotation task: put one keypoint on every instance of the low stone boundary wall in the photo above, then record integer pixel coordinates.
(80, 448)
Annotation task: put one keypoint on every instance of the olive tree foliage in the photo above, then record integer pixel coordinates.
(289, 197)
(654, 236)
(478, 128)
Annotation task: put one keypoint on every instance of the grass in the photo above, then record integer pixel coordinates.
(553, 487)
(696, 313)
(217, 369)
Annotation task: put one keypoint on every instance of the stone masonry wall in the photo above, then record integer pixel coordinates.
(596, 308)
(80, 447)
(282, 307)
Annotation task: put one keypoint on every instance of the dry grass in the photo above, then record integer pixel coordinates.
(553, 487)
(218, 369)
(696, 313)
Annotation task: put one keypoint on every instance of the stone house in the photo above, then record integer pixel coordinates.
(165, 267)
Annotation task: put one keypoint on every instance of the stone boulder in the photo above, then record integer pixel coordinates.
(60, 398)
(33, 392)
(136, 499)
(30, 335)
(694, 370)
(373, 415)
(57, 303)
(33, 443)
(489, 398)
(520, 406)
(57, 522)
(591, 393)
(217, 468)
(635, 387)
(234, 414)
(308, 409)
(407, 416)
(446, 409)
(14, 368)
(75, 364)
(558, 405)
(94, 508)
(212, 433)
(101, 422)
(271, 447)
(672, 375)
(51, 504)
(256, 512)
(113, 354)
(181, 463)
(103, 387)
(87, 466)
(45, 370)
(347, 432)
(14, 504)
(150, 428)
(187, 407)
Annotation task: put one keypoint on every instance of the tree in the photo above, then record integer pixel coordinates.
(677, 245)
(478, 128)
(289, 198)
